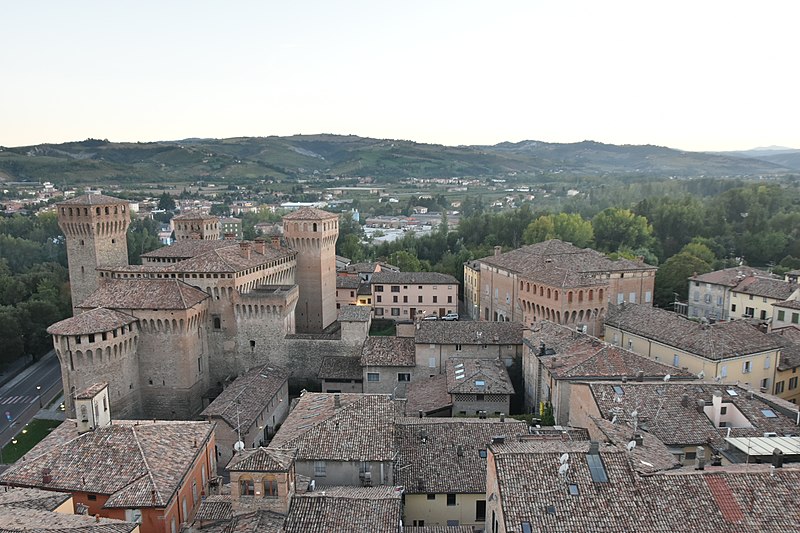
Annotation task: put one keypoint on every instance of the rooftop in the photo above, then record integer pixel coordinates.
(389, 277)
(428, 395)
(149, 460)
(248, 396)
(355, 313)
(261, 460)
(443, 455)
(43, 500)
(776, 289)
(340, 367)
(730, 277)
(468, 332)
(360, 428)
(717, 341)
(345, 510)
(477, 376)
(195, 215)
(144, 294)
(310, 213)
(97, 320)
(92, 199)
(388, 351)
(789, 339)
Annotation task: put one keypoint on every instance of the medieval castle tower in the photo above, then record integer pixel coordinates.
(168, 334)
(95, 227)
(313, 233)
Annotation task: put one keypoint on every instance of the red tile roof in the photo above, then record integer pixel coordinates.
(97, 320)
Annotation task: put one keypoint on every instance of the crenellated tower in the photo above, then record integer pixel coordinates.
(312, 233)
(96, 228)
(196, 225)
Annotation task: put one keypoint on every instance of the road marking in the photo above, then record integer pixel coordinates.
(18, 399)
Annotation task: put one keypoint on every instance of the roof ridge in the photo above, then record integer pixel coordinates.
(146, 464)
(180, 292)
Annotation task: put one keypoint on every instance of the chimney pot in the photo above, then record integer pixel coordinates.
(260, 245)
(502, 417)
(337, 401)
(777, 458)
(685, 400)
(97, 518)
(638, 439)
(244, 247)
(700, 460)
(701, 406)
(640, 375)
(498, 250)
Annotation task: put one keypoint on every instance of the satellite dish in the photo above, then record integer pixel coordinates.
(563, 469)
(564, 458)
(717, 378)
(666, 378)
(239, 446)
(631, 445)
(618, 398)
(702, 374)
(635, 413)
(614, 419)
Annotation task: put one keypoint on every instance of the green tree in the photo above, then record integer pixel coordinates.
(673, 277)
(405, 261)
(166, 202)
(569, 227)
(616, 228)
(142, 238)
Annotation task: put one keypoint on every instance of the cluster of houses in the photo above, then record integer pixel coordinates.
(567, 403)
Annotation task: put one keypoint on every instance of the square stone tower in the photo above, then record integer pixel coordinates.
(196, 225)
(96, 230)
(312, 233)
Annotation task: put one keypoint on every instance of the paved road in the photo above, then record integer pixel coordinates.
(19, 398)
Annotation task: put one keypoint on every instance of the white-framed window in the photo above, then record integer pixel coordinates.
(620, 298)
(723, 371)
(747, 367)
(648, 297)
(632, 297)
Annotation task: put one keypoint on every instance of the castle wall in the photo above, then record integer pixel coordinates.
(88, 359)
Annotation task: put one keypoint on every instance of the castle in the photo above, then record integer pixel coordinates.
(167, 334)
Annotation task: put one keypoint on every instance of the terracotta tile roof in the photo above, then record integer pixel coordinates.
(260, 521)
(228, 259)
(261, 460)
(789, 304)
(195, 215)
(355, 313)
(347, 282)
(441, 455)
(661, 412)
(346, 510)
(248, 396)
(491, 372)
(24, 520)
(92, 199)
(560, 264)
(710, 501)
(43, 500)
(388, 277)
(362, 268)
(789, 339)
(310, 213)
(574, 355)
(777, 289)
(730, 277)
(144, 294)
(97, 320)
(468, 332)
(388, 351)
(189, 248)
(438, 529)
(340, 367)
(649, 457)
(717, 341)
(362, 429)
(428, 395)
(149, 460)
(215, 508)
(91, 391)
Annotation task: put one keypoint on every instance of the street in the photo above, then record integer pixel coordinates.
(21, 397)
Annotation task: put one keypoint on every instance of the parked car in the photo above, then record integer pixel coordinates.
(450, 316)
(431, 317)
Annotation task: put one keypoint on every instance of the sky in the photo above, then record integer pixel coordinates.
(693, 75)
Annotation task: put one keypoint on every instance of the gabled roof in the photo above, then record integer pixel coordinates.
(477, 376)
(428, 395)
(468, 332)
(144, 293)
(148, 460)
(346, 509)
(261, 460)
(730, 277)
(248, 396)
(354, 313)
(340, 367)
(389, 277)
(789, 339)
(43, 500)
(361, 429)
(441, 455)
(717, 341)
(776, 289)
(388, 351)
(97, 320)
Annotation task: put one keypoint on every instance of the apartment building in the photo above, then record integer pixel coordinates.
(409, 295)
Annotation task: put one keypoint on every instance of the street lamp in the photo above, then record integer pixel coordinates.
(39, 394)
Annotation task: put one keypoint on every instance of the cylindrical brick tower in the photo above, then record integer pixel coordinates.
(95, 227)
(312, 233)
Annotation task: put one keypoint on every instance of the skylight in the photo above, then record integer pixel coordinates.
(573, 490)
(482, 453)
(618, 390)
(732, 392)
(480, 383)
(769, 413)
(596, 468)
(526, 527)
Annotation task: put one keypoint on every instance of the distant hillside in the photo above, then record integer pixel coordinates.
(247, 158)
(777, 155)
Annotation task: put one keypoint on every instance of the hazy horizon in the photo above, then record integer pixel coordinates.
(707, 76)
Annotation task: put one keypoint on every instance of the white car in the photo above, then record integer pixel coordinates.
(450, 316)
(431, 317)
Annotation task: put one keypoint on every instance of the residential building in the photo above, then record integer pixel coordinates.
(755, 297)
(150, 472)
(472, 286)
(248, 410)
(556, 281)
(788, 371)
(341, 374)
(341, 439)
(388, 365)
(262, 478)
(437, 341)
(231, 226)
(373, 509)
(478, 387)
(710, 293)
(556, 356)
(441, 463)
(347, 291)
(685, 416)
(429, 397)
(409, 295)
(734, 352)
(786, 313)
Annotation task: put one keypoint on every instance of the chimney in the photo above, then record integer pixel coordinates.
(685, 400)
(701, 406)
(498, 250)
(420, 413)
(777, 458)
(700, 460)
(640, 375)
(542, 348)
(624, 379)
(638, 439)
(276, 241)
(337, 401)
(260, 246)
(244, 247)
(153, 496)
